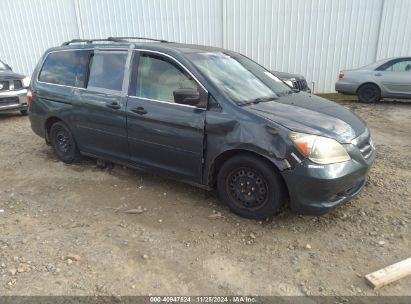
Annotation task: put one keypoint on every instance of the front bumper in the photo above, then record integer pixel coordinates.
(316, 189)
(13, 100)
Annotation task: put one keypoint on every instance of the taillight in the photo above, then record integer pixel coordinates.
(29, 97)
(341, 75)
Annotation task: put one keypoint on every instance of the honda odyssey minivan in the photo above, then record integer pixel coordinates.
(203, 115)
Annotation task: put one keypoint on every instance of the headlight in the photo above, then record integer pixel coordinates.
(289, 82)
(26, 82)
(318, 149)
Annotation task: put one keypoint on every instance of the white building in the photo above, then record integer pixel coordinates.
(315, 38)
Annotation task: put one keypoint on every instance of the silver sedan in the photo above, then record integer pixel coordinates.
(388, 78)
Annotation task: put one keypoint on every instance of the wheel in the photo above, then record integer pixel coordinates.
(63, 143)
(23, 112)
(251, 187)
(369, 93)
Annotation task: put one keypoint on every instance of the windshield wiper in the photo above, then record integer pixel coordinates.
(258, 100)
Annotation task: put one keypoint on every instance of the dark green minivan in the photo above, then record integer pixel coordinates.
(204, 115)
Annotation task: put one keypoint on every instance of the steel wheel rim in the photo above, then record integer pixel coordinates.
(247, 188)
(62, 141)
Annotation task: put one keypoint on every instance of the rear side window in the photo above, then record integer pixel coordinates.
(107, 70)
(400, 66)
(65, 68)
(397, 65)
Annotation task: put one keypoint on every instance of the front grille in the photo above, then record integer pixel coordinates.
(17, 84)
(8, 101)
(4, 85)
(364, 144)
(300, 84)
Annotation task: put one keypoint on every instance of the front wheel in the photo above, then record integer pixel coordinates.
(63, 143)
(23, 112)
(369, 93)
(251, 187)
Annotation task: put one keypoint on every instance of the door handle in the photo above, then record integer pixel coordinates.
(139, 110)
(113, 105)
(378, 74)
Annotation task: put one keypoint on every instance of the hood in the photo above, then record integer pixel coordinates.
(287, 76)
(10, 75)
(305, 113)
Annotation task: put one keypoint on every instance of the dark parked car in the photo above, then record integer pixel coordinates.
(295, 81)
(13, 90)
(204, 115)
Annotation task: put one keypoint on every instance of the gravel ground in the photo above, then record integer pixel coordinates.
(64, 229)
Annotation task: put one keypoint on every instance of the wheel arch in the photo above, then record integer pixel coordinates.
(52, 120)
(219, 160)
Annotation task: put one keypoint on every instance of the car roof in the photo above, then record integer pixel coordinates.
(390, 58)
(380, 62)
(164, 46)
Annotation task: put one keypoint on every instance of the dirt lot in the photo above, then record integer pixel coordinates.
(49, 211)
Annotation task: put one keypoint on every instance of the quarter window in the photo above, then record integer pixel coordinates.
(107, 70)
(65, 68)
(159, 77)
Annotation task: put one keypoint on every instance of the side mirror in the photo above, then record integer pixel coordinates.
(187, 96)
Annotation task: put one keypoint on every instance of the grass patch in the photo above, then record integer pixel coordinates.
(338, 96)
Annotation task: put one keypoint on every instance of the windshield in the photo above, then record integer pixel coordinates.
(239, 78)
(3, 66)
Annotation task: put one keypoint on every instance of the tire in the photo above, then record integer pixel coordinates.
(23, 112)
(63, 143)
(265, 186)
(369, 93)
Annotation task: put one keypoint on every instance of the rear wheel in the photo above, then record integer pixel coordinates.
(369, 93)
(251, 187)
(63, 143)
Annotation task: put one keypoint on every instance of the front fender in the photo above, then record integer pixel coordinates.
(226, 135)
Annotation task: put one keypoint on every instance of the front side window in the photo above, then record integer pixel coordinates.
(107, 70)
(239, 78)
(159, 77)
(397, 66)
(65, 68)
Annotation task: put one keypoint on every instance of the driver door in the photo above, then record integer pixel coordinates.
(162, 134)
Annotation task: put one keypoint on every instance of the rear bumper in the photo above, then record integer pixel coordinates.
(317, 189)
(37, 124)
(345, 87)
(13, 100)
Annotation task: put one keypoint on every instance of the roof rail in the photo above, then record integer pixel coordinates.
(110, 39)
(135, 38)
(89, 41)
